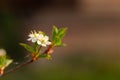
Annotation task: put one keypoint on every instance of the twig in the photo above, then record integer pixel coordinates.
(18, 67)
(49, 50)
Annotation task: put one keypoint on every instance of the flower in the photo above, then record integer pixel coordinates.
(33, 36)
(44, 41)
(40, 38)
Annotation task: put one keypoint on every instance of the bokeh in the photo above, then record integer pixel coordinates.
(93, 38)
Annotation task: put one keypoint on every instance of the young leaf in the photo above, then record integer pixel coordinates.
(47, 56)
(42, 55)
(8, 62)
(58, 42)
(55, 30)
(28, 48)
(63, 44)
(57, 35)
(2, 60)
(62, 32)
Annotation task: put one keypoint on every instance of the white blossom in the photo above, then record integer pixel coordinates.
(40, 38)
(44, 41)
(33, 36)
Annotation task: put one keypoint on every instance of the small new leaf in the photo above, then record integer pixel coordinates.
(62, 32)
(54, 33)
(55, 30)
(28, 48)
(47, 56)
(43, 56)
(2, 60)
(8, 62)
(57, 36)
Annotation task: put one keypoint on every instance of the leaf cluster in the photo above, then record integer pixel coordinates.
(4, 61)
(57, 36)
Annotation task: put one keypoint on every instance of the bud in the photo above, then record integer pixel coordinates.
(2, 52)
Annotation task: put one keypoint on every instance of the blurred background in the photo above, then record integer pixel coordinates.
(93, 38)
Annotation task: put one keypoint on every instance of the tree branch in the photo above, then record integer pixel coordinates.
(49, 50)
(18, 67)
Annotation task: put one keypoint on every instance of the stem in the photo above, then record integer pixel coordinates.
(49, 50)
(39, 49)
(18, 67)
(35, 57)
(27, 62)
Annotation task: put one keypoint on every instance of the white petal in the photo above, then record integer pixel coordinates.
(31, 35)
(36, 35)
(40, 36)
(44, 45)
(48, 43)
(29, 39)
(39, 42)
(34, 39)
(46, 38)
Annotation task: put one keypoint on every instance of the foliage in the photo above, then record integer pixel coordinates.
(57, 36)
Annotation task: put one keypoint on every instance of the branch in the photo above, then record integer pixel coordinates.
(49, 50)
(18, 67)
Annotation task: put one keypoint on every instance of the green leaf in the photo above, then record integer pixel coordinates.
(62, 32)
(58, 42)
(55, 29)
(28, 48)
(8, 62)
(62, 45)
(43, 56)
(2, 60)
(35, 46)
(47, 56)
(57, 36)
(54, 33)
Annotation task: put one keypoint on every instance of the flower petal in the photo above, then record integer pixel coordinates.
(44, 45)
(46, 38)
(38, 42)
(48, 43)
(29, 39)
(31, 35)
(40, 36)
(34, 39)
